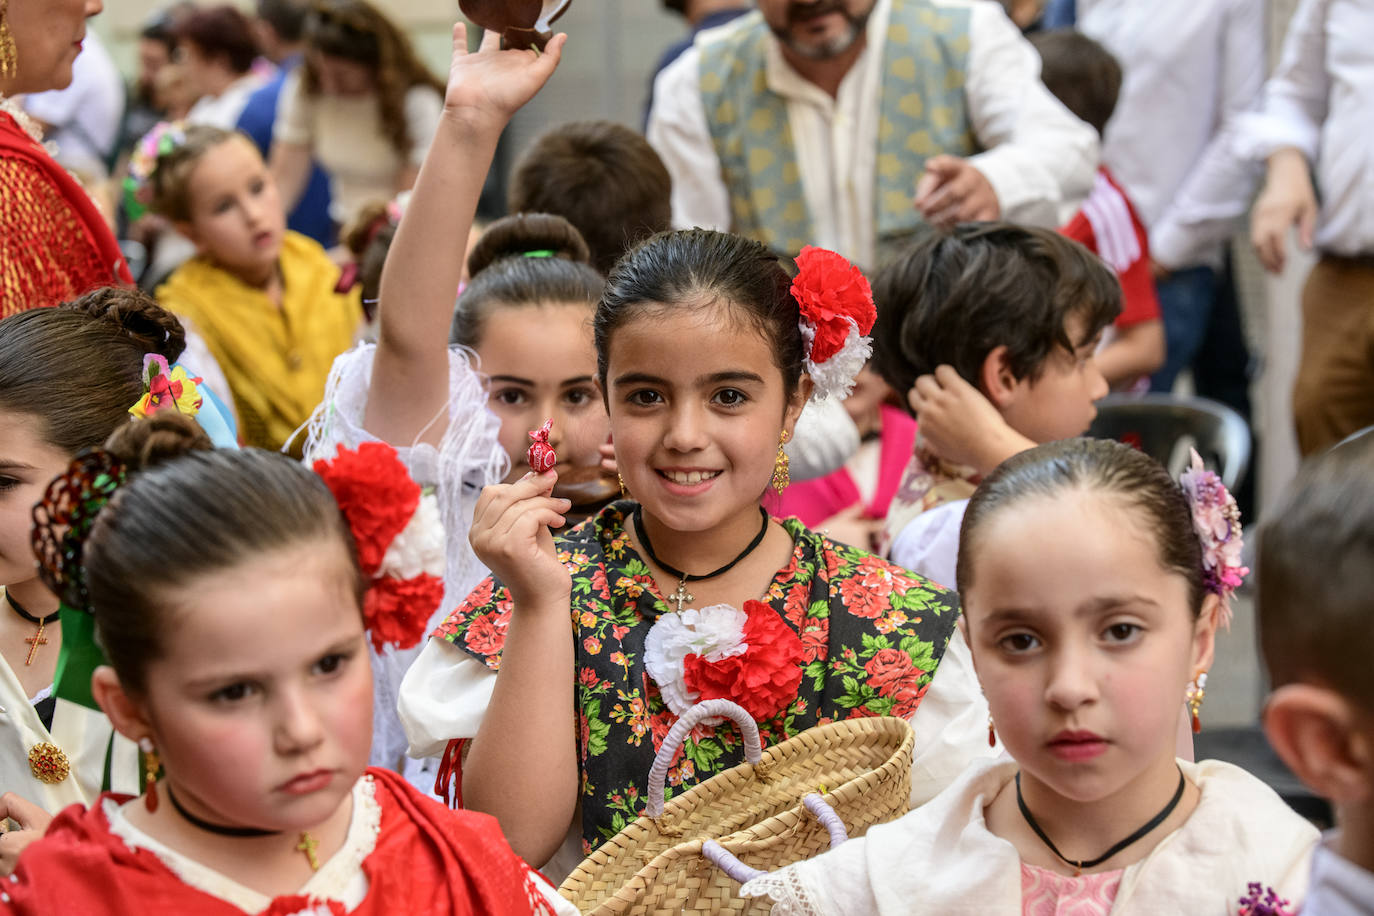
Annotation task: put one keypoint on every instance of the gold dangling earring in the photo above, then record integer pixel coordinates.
(1194, 695)
(992, 732)
(624, 493)
(150, 768)
(9, 55)
(782, 475)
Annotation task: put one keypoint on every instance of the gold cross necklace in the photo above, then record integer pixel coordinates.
(37, 639)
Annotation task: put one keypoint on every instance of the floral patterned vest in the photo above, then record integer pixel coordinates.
(872, 636)
(923, 114)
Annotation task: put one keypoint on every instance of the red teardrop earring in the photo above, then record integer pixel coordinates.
(150, 768)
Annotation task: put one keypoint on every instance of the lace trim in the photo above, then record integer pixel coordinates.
(789, 894)
(341, 878)
(25, 120)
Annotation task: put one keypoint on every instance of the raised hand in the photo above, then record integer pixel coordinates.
(510, 534)
(960, 423)
(491, 84)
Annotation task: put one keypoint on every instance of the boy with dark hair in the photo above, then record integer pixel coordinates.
(1316, 617)
(1018, 313)
(600, 176)
(1087, 79)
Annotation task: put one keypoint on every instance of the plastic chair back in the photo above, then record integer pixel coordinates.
(1165, 427)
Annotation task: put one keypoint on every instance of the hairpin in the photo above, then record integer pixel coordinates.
(837, 312)
(167, 387)
(165, 137)
(1216, 522)
(63, 518)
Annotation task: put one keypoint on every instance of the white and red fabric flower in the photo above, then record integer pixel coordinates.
(749, 656)
(837, 313)
(400, 539)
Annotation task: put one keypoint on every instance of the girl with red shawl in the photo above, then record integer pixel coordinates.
(54, 243)
(227, 594)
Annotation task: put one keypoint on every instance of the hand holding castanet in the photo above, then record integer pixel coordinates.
(511, 530)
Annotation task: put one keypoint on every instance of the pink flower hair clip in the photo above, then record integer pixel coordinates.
(837, 312)
(1216, 521)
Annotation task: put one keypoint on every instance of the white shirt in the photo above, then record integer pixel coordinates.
(929, 544)
(1339, 887)
(223, 110)
(83, 119)
(1039, 159)
(1188, 66)
(942, 860)
(1321, 101)
(346, 136)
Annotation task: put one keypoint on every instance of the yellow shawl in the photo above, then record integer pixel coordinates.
(276, 360)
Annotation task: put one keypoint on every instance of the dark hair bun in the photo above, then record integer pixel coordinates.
(517, 235)
(365, 225)
(165, 435)
(138, 317)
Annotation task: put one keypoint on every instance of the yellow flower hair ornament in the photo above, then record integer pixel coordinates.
(166, 386)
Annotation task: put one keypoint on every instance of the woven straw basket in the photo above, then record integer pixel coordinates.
(654, 866)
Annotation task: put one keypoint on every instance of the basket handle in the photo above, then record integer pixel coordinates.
(658, 773)
(730, 863)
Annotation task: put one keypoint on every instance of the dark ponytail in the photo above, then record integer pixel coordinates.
(526, 259)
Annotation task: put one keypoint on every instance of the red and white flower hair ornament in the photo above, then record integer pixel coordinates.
(1216, 522)
(399, 535)
(837, 313)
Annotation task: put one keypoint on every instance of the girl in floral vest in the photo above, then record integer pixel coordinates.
(563, 672)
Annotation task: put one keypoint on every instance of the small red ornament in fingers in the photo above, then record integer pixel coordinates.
(541, 456)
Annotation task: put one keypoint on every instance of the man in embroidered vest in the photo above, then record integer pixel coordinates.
(854, 124)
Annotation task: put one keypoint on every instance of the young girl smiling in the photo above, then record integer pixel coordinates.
(705, 359)
(226, 590)
(1085, 645)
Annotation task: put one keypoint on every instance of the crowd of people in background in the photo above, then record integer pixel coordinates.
(814, 349)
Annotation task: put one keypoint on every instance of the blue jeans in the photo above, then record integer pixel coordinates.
(1185, 302)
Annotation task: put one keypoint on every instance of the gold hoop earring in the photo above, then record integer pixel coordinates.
(1194, 695)
(9, 55)
(782, 474)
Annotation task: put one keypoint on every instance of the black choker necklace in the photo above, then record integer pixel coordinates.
(37, 639)
(1093, 863)
(306, 845)
(680, 595)
(219, 829)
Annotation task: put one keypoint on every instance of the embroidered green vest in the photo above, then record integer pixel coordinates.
(922, 114)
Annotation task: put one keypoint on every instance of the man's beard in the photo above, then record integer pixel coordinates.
(798, 12)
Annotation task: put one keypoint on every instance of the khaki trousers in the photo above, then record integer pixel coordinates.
(1334, 392)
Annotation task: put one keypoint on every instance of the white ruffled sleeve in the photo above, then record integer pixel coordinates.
(443, 696)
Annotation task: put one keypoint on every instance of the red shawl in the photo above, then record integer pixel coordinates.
(54, 244)
(428, 860)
